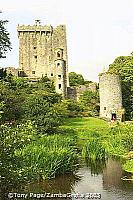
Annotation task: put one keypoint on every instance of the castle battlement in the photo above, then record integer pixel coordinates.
(38, 27)
(34, 28)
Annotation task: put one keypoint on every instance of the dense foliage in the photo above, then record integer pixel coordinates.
(13, 98)
(28, 113)
(128, 166)
(76, 79)
(37, 102)
(86, 105)
(123, 65)
(74, 108)
(11, 140)
(5, 44)
(26, 155)
(90, 101)
(48, 156)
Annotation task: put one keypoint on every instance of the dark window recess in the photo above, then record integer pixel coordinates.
(58, 64)
(113, 117)
(104, 108)
(58, 54)
(59, 86)
(33, 72)
(34, 47)
(35, 56)
(51, 74)
(21, 73)
(59, 76)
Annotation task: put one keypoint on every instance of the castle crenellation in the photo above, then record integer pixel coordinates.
(35, 28)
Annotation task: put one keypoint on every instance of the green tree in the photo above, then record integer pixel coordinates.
(76, 79)
(16, 92)
(11, 140)
(37, 102)
(3, 73)
(90, 101)
(43, 106)
(74, 108)
(5, 44)
(12, 104)
(123, 65)
(43, 110)
(12, 94)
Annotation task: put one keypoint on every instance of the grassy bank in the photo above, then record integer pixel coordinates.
(27, 155)
(41, 156)
(48, 156)
(98, 139)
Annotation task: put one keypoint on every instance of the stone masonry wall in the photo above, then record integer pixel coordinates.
(110, 95)
(37, 51)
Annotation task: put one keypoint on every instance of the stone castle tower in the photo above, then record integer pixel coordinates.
(43, 52)
(110, 97)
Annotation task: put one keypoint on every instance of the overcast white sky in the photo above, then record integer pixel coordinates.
(97, 30)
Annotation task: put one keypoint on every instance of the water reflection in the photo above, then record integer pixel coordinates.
(112, 175)
(105, 179)
(96, 167)
(62, 184)
(93, 177)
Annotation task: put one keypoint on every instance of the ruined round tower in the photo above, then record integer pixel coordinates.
(110, 97)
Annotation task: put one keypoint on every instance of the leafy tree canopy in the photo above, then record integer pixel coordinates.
(5, 44)
(38, 102)
(124, 66)
(3, 73)
(90, 100)
(76, 79)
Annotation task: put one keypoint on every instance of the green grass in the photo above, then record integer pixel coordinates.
(89, 131)
(128, 166)
(98, 138)
(85, 138)
(48, 156)
(84, 127)
(88, 123)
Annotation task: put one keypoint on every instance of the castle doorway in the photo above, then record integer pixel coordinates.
(113, 117)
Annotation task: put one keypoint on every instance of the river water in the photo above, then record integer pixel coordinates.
(103, 178)
(92, 177)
